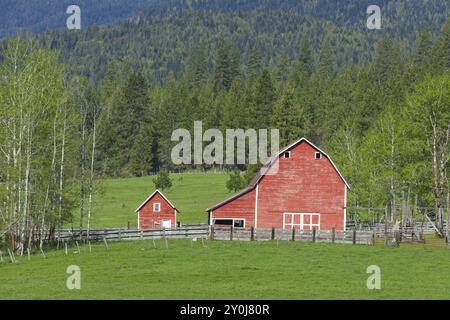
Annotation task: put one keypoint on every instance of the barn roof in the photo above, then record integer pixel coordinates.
(151, 196)
(255, 181)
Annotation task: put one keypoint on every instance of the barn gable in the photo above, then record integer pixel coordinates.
(151, 196)
(156, 212)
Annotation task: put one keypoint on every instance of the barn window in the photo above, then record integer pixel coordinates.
(239, 223)
(318, 155)
(223, 222)
(156, 207)
(287, 154)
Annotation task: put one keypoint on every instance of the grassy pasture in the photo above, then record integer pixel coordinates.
(192, 193)
(230, 270)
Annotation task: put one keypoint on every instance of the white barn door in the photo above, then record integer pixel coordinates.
(302, 221)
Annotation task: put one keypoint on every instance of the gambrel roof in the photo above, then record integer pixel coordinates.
(255, 181)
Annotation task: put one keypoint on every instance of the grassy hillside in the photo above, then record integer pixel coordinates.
(230, 270)
(192, 193)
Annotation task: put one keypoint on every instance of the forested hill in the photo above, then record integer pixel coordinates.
(160, 38)
(44, 15)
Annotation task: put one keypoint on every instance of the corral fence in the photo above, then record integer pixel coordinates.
(379, 227)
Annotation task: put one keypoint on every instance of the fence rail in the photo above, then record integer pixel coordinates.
(222, 233)
(260, 234)
(132, 234)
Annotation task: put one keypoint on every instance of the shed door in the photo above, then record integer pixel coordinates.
(167, 224)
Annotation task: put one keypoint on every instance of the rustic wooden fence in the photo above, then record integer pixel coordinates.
(132, 234)
(261, 234)
(222, 233)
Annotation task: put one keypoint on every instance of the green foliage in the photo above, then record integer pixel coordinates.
(162, 180)
(235, 182)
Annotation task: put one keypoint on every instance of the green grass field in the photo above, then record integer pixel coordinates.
(230, 270)
(192, 193)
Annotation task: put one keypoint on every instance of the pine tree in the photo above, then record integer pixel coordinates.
(226, 66)
(327, 60)
(304, 65)
(264, 98)
(440, 53)
(197, 66)
(254, 65)
(289, 117)
(282, 71)
(423, 46)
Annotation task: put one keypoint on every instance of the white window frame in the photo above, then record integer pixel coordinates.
(289, 153)
(159, 207)
(302, 219)
(233, 219)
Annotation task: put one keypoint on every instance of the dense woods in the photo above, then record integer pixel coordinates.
(103, 102)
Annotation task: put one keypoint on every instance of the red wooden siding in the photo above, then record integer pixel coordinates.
(241, 208)
(303, 184)
(149, 219)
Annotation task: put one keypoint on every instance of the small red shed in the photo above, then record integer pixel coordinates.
(156, 212)
(304, 191)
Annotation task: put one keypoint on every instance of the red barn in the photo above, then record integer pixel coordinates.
(305, 191)
(156, 212)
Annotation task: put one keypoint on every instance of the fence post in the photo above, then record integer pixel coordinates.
(446, 239)
(314, 235)
(252, 233)
(385, 226)
(354, 236)
(120, 234)
(373, 237)
(293, 234)
(273, 233)
(333, 235)
(211, 232)
(231, 233)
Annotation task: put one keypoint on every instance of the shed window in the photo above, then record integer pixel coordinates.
(156, 207)
(318, 155)
(287, 154)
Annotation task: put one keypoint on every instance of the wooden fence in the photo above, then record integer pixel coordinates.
(260, 234)
(222, 233)
(133, 234)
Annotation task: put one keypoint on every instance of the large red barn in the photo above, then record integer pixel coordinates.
(306, 192)
(156, 212)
